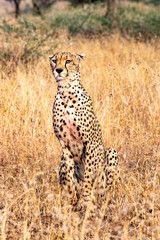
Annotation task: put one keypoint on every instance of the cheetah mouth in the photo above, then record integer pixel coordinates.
(59, 78)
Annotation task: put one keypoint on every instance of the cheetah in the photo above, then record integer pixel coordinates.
(84, 156)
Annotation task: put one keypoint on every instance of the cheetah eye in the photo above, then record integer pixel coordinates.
(54, 61)
(68, 61)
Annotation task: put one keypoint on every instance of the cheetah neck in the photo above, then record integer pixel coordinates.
(70, 82)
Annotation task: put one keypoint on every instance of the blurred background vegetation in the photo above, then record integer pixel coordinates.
(34, 23)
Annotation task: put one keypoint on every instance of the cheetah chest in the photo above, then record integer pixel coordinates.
(65, 125)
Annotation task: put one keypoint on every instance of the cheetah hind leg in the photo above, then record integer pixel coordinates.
(111, 168)
(108, 175)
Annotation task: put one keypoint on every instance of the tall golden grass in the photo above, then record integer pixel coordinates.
(123, 80)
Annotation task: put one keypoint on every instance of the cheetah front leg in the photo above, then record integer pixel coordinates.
(87, 181)
(88, 198)
(66, 175)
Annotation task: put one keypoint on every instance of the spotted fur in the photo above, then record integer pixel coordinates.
(76, 126)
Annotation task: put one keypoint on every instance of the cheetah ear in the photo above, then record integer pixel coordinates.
(82, 55)
(51, 57)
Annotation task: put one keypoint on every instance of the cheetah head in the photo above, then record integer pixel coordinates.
(65, 65)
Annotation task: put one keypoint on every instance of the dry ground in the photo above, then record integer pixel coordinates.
(123, 79)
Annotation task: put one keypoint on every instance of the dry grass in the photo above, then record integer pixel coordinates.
(123, 79)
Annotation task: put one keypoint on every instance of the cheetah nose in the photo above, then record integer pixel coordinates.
(59, 70)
